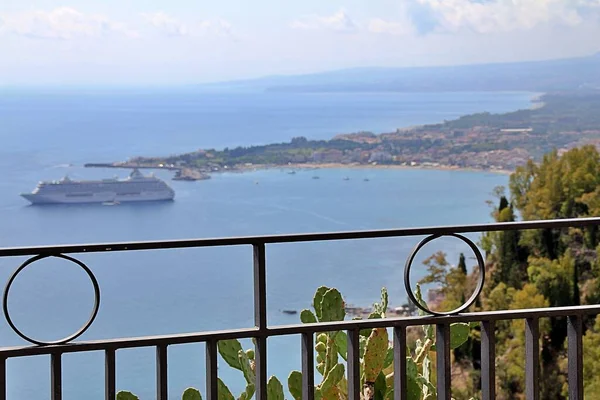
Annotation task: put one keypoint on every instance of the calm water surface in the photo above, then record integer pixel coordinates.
(46, 135)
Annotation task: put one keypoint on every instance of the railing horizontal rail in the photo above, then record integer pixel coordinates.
(187, 338)
(295, 238)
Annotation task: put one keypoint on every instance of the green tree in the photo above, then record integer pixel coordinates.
(462, 264)
(511, 364)
(591, 357)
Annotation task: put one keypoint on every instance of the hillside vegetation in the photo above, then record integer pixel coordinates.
(539, 268)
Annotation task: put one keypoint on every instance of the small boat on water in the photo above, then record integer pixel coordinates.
(316, 177)
(346, 178)
(292, 173)
(366, 179)
(290, 312)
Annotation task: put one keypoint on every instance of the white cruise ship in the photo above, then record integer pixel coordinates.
(135, 188)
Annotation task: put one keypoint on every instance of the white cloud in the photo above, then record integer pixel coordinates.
(378, 25)
(338, 22)
(166, 24)
(172, 26)
(60, 23)
(505, 15)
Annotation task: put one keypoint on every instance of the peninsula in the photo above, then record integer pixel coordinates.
(484, 141)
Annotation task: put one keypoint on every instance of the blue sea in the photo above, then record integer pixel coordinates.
(45, 134)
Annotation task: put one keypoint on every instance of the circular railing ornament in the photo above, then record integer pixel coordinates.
(480, 280)
(78, 332)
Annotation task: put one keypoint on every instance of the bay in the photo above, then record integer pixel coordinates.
(44, 135)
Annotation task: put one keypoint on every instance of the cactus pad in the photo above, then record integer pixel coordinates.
(246, 368)
(295, 384)
(229, 349)
(124, 395)
(332, 378)
(274, 389)
(332, 306)
(307, 317)
(317, 300)
(191, 394)
(375, 352)
(223, 392)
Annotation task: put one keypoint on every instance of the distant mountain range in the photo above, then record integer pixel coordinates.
(551, 75)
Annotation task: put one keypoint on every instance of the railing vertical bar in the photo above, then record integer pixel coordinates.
(110, 391)
(308, 367)
(488, 360)
(400, 363)
(162, 389)
(442, 343)
(260, 319)
(2, 378)
(260, 360)
(56, 375)
(575, 357)
(353, 362)
(211, 371)
(532, 359)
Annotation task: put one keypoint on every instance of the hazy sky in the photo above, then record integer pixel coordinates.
(189, 41)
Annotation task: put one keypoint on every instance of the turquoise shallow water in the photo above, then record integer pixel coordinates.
(160, 292)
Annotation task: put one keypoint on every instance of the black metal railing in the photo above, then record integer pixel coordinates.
(261, 331)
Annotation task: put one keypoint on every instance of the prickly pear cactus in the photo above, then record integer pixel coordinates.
(317, 301)
(332, 379)
(295, 384)
(248, 392)
(246, 367)
(375, 352)
(307, 317)
(381, 308)
(274, 389)
(380, 388)
(191, 394)
(321, 348)
(124, 395)
(229, 350)
(223, 392)
(341, 342)
(428, 329)
(459, 334)
(414, 389)
(332, 306)
(331, 353)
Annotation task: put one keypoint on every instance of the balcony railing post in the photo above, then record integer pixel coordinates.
(260, 319)
(109, 375)
(2, 378)
(488, 360)
(400, 363)
(162, 390)
(575, 357)
(442, 344)
(56, 375)
(353, 360)
(211, 370)
(532, 359)
(308, 367)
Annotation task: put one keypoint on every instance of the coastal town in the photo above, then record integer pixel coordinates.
(493, 142)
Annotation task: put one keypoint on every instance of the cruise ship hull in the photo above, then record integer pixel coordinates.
(106, 197)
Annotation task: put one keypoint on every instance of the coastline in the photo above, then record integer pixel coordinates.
(501, 161)
(310, 167)
(188, 174)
